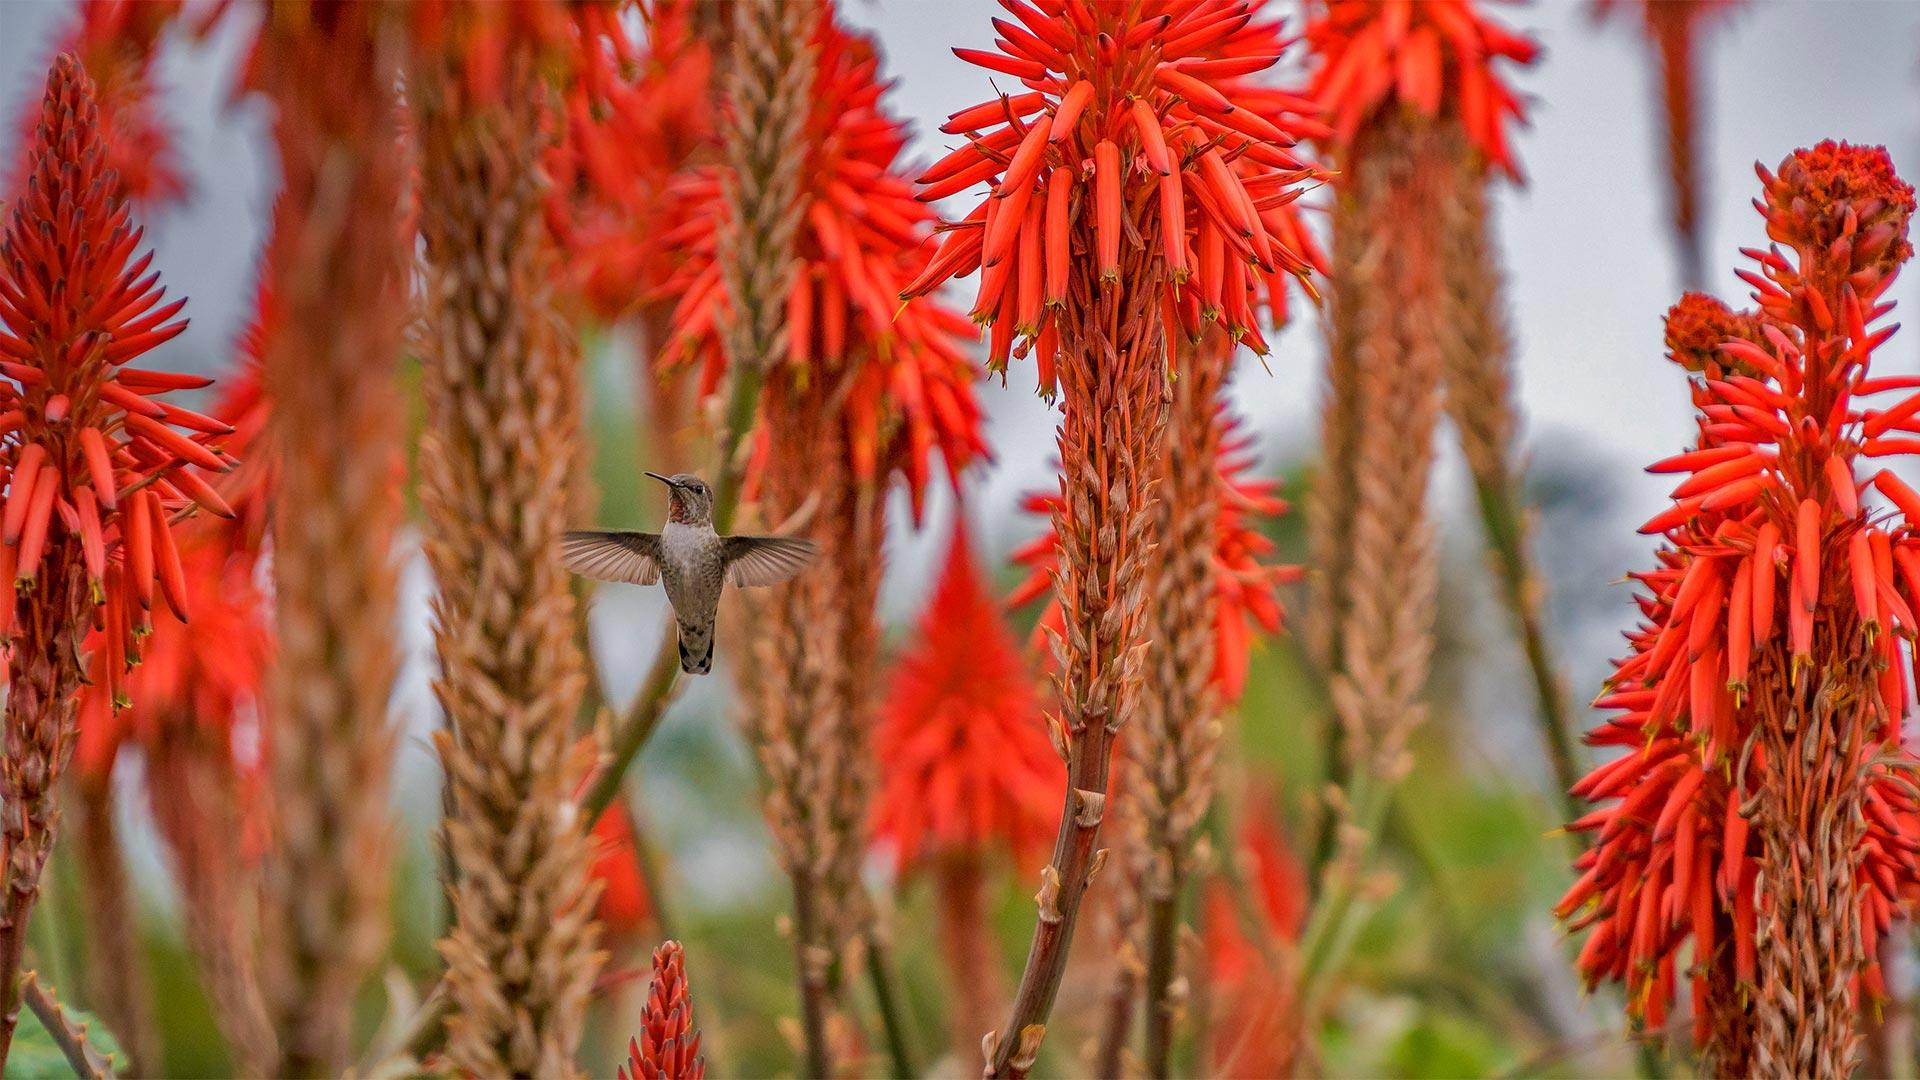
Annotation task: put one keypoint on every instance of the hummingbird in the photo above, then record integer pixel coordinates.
(690, 559)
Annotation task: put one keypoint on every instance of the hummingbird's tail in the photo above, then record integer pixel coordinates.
(696, 649)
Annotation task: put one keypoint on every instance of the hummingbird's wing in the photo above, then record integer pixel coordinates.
(613, 556)
(765, 560)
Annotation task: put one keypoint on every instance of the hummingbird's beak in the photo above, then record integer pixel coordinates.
(663, 479)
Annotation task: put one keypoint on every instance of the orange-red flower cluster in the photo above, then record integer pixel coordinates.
(1127, 103)
(1245, 589)
(968, 764)
(614, 165)
(91, 449)
(668, 1046)
(907, 377)
(1436, 57)
(580, 39)
(1770, 537)
(115, 42)
(211, 674)
(1257, 1035)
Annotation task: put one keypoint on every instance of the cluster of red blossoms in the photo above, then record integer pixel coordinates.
(907, 375)
(967, 763)
(1773, 560)
(1126, 102)
(619, 152)
(210, 674)
(1246, 590)
(1429, 56)
(91, 449)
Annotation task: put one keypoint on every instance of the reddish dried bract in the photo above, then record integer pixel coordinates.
(908, 380)
(1246, 589)
(1436, 57)
(967, 763)
(92, 453)
(668, 1046)
(1775, 568)
(1129, 103)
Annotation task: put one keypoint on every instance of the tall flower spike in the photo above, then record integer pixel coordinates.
(864, 388)
(1761, 802)
(668, 1046)
(1673, 29)
(498, 462)
(1420, 114)
(93, 464)
(765, 153)
(1137, 176)
(968, 770)
(334, 320)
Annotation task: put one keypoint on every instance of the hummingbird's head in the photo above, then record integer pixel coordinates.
(689, 499)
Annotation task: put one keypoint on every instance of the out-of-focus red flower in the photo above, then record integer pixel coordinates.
(668, 1046)
(1673, 29)
(115, 41)
(1255, 1036)
(907, 380)
(968, 765)
(624, 905)
(91, 452)
(1127, 103)
(1774, 565)
(1246, 589)
(614, 164)
(1436, 57)
(580, 39)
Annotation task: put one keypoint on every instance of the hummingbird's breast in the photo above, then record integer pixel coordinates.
(691, 568)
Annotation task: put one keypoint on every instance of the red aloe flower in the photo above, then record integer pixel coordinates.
(908, 381)
(624, 907)
(1763, 700)
(967, 764)
(1246, 589)
(1159, 102)
(584, 37)
(1432, 57)
(1255, 1036)
(613, 167)
(93, 466)
(668, 1046)
(967, 770)
(115, 42)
